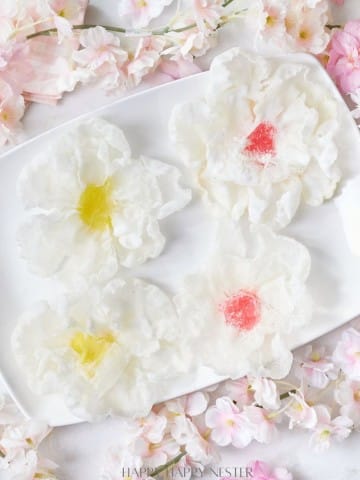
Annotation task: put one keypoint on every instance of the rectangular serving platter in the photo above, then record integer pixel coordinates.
(335, 276)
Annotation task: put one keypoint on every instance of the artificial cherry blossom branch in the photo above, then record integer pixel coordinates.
(140, 32)
(168, 465)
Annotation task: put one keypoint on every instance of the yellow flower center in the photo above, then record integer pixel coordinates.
(96, 205)
(357, 396)
(141, 3)
(315, 357)
(270, 21)
(304, 35)
(91, 349)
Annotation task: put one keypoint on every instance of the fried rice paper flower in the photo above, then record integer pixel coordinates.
(243, 311)
(93, 208)
(262, 140)
(109, 351)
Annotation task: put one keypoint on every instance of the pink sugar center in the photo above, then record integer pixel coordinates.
(242, 310)
(261, 141)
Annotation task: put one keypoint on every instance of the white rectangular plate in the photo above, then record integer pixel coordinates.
(334, 281)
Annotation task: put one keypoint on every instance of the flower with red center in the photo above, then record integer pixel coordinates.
(263, 139)
(244, 310)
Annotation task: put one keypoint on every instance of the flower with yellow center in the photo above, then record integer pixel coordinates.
(92, 207)
(108, 351)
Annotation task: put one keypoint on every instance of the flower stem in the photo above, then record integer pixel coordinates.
(331, 27)
(166, 466)
(109, 28)
(285, 395)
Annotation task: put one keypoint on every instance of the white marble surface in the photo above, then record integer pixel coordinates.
(79, 449)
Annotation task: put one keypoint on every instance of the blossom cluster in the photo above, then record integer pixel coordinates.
(186, 432)
(19, 443)
(35, 67)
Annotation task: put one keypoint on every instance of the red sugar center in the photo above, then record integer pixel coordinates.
(242, 310)
(261, 141)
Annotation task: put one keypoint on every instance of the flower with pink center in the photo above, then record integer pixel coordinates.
(315, 367)
(347, 395)
(227, 424)
(242, 312)
(250, 140)
(347, 354)
(102, 57)
(139, 13)
(344, 57)
(338, 2)
(12, 108)
(262, 423)
(300, 412)
(327, 429)
(262, 471)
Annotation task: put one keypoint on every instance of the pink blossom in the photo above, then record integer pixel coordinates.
(102, 57)
(193, 404)
(300, 412)
(15, 68)
(262, 471)
(266, 393)
(347, 353)
(207, 13)
(344, 57)
(339, 428)
(240, 391)
(156, 454)
(339, 2)
(24, 436)
(153, 427)
(140, 12)
(228, 425)
(316, 368)
(12, 109)
(190, 43)
(169, 70)
(262, 423)
(348, 396)
(145, 59)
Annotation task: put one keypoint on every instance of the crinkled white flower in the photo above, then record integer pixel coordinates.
(244, 311)
(94, 208)
(262, 140)
(109, 350)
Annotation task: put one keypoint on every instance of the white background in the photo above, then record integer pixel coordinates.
(79, 449)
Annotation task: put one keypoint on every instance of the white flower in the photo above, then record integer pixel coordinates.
(327, 429)
(242, 313)
(93, 208)
(315, 367)
(266, 393)
(348, 396)
(262, 140)
(140, 12)
(107, 351)
(101, 58)
(300, 412)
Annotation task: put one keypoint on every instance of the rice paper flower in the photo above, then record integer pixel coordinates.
(262, 140)
(107, 351)
(243, 311)
(92, 207)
